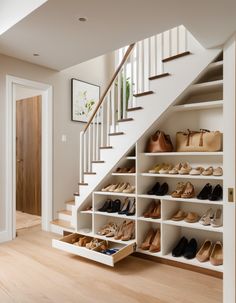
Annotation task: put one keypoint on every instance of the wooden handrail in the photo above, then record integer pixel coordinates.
(126, 56)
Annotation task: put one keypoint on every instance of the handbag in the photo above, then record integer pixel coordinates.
(159, 142)
(198, 141)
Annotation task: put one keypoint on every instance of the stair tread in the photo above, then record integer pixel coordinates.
(62, 223)
(98, 161)
(89, 173)
(71, 202)
(143, 93)
(125, 120)
(65, 212)
(106, 147)
(134, 108)
(176, 56)
(76, 194)
(159, 76)
(82, 184)
(116, 134)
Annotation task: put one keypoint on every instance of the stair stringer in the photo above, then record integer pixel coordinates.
(167, 92)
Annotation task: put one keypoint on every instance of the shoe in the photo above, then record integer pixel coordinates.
(148, 239)
(111, 231)
(131, 211)
(216, 257)
(150, 209)
(185, 169)
(207, 217)
(105, 229)
(128, 233)
(120, 187)
(156, 168)
(156, 243)
(217, 193)
(82, 241)
(120, 231)
(154, 189)
(125, 207)
(129, 189)
(188, 191)
(217, 218)
(175, 170)
(191, 249)
(106, 188)
(131, 170)
(106, 205)
(179, 190)
(178, 216)
(114, 206)
(180, 247)
(218, 171)
(166, 169)
(205, 192)
(94, 243)
(163, 190)
(204, 252)
(113, 187)
(196, 171)
(156, 213)
(122, 170)
(192, 217)
(208, 171)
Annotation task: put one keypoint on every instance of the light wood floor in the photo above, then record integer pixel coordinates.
(24, 220)
(33, 272)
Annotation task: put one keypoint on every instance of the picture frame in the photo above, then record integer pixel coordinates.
(84, 98)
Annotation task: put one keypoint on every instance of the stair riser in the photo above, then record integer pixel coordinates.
(64, 217)
(69, 207)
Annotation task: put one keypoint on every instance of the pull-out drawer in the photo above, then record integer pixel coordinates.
(67, 244)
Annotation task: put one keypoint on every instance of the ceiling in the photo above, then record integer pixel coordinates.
(54, 32)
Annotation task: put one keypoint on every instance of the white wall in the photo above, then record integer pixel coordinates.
(23, 92)
(66, 155)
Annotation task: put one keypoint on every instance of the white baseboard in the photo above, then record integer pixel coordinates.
(4, 236)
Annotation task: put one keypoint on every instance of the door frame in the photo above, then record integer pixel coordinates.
(46, 151)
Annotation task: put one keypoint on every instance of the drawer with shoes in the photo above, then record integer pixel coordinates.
(98, 250)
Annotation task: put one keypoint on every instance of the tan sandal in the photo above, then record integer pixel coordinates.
(218, 171)
(175, 170)
(166, 169)
(192, 217)
(196, 171)
(179, 190)
(185, 169)
(188, 191)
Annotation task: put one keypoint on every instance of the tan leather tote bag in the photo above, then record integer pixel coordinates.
(159, 142)
(198, 141)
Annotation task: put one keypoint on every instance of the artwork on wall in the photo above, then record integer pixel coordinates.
(84, 97)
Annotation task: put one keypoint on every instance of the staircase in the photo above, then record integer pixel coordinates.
(156, 73)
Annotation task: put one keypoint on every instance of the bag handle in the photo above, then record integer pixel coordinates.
(191, 133)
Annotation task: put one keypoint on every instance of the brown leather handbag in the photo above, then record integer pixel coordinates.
(159, 142)
(198, 141)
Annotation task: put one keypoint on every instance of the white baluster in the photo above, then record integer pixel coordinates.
(89, 149)
(124, 92)
(177, 40)
(102, 125)
(137, 68)
(85, 167)
(142, 66)
(131, 80)
(155, 55)
(170, 43)
(149, 54)
(162, 53)
(97, 135)
(108, 119)
(94, 139)
(81, 157)
(119, 95)
(113, 108)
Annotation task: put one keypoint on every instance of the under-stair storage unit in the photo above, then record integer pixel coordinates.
(198, 105)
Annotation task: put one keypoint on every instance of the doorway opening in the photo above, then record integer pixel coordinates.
(28, 155)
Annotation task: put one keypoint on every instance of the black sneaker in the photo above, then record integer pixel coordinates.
(180, 247)
(205, 192)
(191, 249)
(217, 193)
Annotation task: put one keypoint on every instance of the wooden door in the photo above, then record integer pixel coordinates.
(28, 155)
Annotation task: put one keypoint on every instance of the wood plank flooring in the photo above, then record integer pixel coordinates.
(31, 271)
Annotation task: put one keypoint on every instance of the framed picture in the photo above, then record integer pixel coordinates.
(84, 97)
